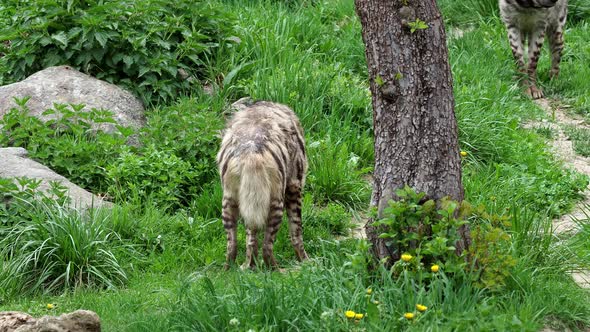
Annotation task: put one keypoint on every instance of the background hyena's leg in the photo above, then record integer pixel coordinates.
(229, 216)
(251, 249)
(535, 45)
(275, 217)
(293, 200)
(555, 36)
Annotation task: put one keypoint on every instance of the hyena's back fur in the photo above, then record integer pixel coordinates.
(528, 22)
(262, 164)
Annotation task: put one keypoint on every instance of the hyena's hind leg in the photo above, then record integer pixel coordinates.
(535, 41)
(555, 35)
(229, 216)
(293, 200)
(275, 217)
(251, 249)
(516, 39)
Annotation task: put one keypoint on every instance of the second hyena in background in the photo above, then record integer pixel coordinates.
(262, 163)
(529, 21)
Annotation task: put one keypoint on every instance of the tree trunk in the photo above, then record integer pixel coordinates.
(416, 140)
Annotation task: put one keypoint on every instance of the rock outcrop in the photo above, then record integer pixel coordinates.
(14, 163)
(77, 321)
(65, 85)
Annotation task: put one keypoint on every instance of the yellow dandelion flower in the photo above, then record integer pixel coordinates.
(359, 316)
(349, 314)
(369, 291)
(50, 306)
(463, 153)
(421, 308)
(406, 257)
(409, 315)
(434, 268)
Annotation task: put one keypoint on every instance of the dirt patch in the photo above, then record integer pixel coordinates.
(562, 146)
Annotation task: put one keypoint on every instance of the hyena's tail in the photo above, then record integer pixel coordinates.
(255, 190)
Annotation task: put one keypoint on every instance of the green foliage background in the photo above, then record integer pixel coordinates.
(165, 232)
(140, 45)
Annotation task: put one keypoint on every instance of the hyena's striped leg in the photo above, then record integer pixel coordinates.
(556, 46)
(293, 199)
(251, 249)
(535, 45)
(229, 216)
(516, 39)
(275, 217)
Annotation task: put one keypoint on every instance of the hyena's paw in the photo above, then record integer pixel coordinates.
(554, 73)
(302, 255)
(534, 92)
(248, 266)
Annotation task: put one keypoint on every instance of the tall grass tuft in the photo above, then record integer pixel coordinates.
(334, 175)
(57, 250)
(468, 11)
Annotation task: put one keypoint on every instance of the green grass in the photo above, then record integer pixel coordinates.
(545, 131)
(580, 138)
(572, 85)
(309, 55)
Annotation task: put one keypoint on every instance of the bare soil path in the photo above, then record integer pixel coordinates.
(562, 146)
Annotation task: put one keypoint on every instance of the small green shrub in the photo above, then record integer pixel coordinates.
(491, 249)
(156, 175)
(189, 129)
(333, 216)
(177, 160)
(142, 45)
(46, 247)
(68, 145)
(424, 234)
(15, 191)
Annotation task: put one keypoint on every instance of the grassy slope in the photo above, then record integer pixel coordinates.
(312, 58)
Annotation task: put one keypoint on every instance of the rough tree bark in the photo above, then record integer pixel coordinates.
(416, 140)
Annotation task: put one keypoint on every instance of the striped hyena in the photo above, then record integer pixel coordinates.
(262, 164)
(529, 21)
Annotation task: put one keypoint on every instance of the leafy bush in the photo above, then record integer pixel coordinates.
(188, 129)
(333, 216)
(156, 175)
(69, 145)
(422, 233)
(46, 247)
(177, 160)
(491, 249)
(425, 234)
(13, 191)
(149, 47)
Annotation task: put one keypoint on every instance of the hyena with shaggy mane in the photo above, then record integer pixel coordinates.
(262, 163)
(529, 21)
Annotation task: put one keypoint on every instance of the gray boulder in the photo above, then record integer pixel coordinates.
(77, 321)
(65, 85)
(14, 163)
